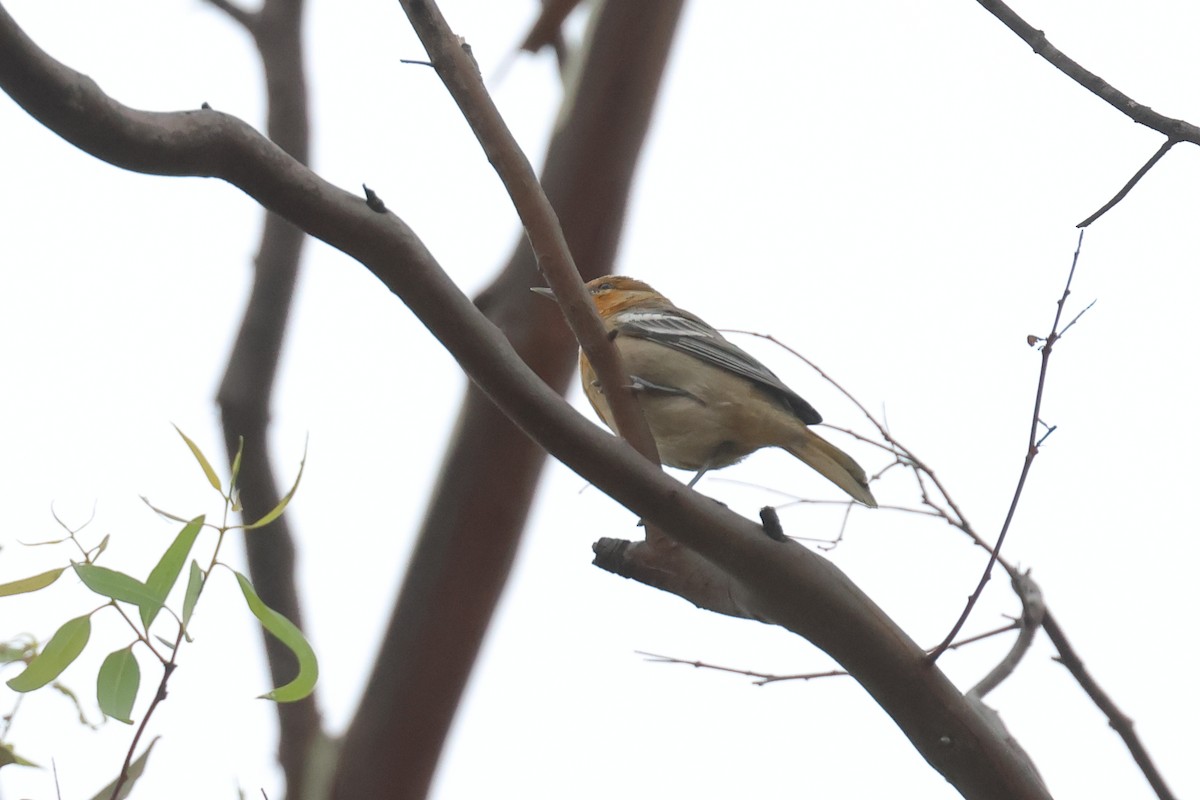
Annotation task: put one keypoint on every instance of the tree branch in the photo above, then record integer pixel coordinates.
(477, 510)
(1117, 719)
(456, 66)
(1175, 129)
(1137, 176)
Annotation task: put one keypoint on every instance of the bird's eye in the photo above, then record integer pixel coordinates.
(604, 286)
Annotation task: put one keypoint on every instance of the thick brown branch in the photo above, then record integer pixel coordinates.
(791, 586)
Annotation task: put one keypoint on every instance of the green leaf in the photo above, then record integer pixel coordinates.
(114, 585)
(166, 571)
(43, 544)
(117, 684)
(32, 583)
(282, 629)
(7, 756)
(236, 470)
(64, 647)
(99, 549)
(167, 643)
(159, 511)
(195, 584)
(277, 511)
(209, 472)
(135, 771)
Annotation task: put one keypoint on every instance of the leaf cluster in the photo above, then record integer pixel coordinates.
(140, 602)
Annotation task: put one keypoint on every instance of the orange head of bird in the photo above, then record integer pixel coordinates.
(613, 293)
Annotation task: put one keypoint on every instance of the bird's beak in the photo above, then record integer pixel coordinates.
(543, 291)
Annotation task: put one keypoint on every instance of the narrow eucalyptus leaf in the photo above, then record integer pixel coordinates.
(32, 583)
(209, 472)
(285, 631)
(162, 578)
(64, 647)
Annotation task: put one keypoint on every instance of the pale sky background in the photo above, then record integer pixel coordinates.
(890, 188)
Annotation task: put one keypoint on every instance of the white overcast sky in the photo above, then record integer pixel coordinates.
(890, 188)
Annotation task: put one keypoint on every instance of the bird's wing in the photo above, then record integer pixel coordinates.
(689, 334)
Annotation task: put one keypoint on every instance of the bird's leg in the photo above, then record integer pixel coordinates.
(723, 456)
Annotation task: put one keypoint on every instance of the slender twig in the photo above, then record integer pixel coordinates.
(763, 677)
(1119, 196)
(979, 637)
(159, 695)
(1031, 452)
(1086, 309)
(1117, 720)
(1033, 611)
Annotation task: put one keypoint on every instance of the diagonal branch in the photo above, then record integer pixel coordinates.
(1175, 129)
(1137, 176)
(1117, 720)
(456, 66)
(477, 510)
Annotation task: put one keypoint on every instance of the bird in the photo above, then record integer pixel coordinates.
(708, 403)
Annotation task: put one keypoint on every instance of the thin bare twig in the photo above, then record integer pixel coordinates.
(1119, 196)
(979, 637)
(763, 678)
(1033, 611)
(1086, 309)
(1030, 453)
(1117, 720)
